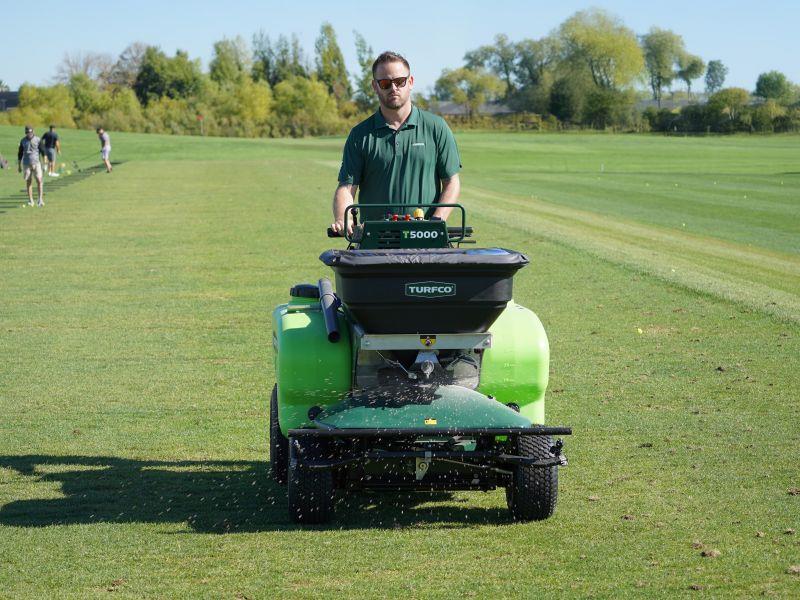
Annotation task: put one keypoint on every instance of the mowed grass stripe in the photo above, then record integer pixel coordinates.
(758, 278)
(739, 189)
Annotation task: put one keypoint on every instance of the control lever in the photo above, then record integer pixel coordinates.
(397, 365)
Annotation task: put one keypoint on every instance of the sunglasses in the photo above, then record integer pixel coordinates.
(385, 84)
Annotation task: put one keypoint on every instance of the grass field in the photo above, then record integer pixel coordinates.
(136, 367)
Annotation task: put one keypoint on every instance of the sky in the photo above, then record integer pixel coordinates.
(750, 38)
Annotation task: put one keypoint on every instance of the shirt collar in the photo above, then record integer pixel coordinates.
(412, 120)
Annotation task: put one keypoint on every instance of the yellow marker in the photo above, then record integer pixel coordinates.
(427, 340)
(419, 213)
(430, 421)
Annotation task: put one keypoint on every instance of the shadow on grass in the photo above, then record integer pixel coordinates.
(209, 496)
(52, 185)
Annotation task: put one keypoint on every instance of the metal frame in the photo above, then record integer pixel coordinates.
(414, 341)
(428, 432)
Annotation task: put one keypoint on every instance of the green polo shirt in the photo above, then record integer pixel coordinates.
(399, 167)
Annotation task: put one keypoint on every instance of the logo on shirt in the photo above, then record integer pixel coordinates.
(418, 144)
(430, 289)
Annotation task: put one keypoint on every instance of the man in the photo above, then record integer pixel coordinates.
(400, 155)
(52, 148)
(105, 148)
(28, 159)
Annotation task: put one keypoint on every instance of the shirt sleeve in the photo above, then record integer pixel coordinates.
(352, 170)
(448, 161)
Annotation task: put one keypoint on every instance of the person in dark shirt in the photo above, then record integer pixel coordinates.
(52, 148)
(400, 155)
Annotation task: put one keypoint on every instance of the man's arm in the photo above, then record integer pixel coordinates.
(20, 152)
(343, 197)
(451, 188)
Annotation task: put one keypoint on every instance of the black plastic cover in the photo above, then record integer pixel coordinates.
(426, 291)
(304, 290)
(457, 257)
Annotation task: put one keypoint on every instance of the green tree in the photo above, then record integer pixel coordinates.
(304, 107)
(766, 115)
(774, 85)
(230, 63)
(125, 113)
(331, 69)
(662, 50)
(159, 75)
(690, 67)
(365, 95)
(88, 98)
(601, 43)
(275, 62)
(500, 58)
(716, 72)
(567, 99)
(469, 87)
(729, 102)
(41, 106)
(534, 58)
(241, 108)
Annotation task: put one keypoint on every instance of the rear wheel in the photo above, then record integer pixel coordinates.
(310, 492)
(533, 492)
(278, 444)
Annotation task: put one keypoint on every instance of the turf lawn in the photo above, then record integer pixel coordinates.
(136, 369)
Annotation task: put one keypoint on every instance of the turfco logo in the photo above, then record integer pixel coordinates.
(430, 289)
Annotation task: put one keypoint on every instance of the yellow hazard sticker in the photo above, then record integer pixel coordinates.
(427, 340)
(430, 421)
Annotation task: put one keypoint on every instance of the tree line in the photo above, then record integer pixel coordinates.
(590, 72)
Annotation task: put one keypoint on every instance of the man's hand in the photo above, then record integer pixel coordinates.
(342, 198)
(19, 167)
(338, 227)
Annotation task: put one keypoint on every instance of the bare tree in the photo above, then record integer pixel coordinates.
(95, 65)
(128, 64)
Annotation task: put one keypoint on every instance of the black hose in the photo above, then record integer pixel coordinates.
(329, 303)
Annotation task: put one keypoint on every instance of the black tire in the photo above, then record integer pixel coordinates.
(278, 444)
(533, 492)
(310, 493)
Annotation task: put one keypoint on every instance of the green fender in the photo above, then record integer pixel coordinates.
(516, 367)
(310, 370)
(446, 406)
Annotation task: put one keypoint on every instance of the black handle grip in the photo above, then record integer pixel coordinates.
(329, 303)
(333, 234)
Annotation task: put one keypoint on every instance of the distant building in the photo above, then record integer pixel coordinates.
(672, 101)
(451, 109)
(8, 100)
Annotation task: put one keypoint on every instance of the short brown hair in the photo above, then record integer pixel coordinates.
(387, 57)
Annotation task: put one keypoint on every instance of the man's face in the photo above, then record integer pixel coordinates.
(394, 97)
(29, 134)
